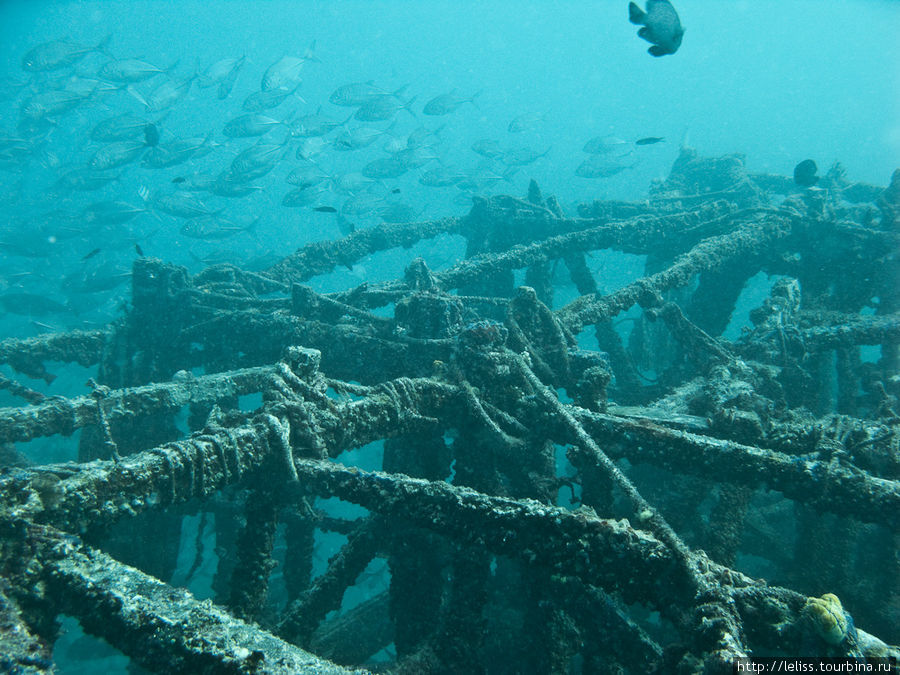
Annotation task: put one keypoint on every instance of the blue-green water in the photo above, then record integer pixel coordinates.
(779, 82)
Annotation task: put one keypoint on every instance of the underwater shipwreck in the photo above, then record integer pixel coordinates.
(720, 498)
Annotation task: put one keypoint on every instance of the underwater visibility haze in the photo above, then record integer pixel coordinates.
(448, 337)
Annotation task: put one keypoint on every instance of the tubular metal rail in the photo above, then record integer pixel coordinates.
(688, 457)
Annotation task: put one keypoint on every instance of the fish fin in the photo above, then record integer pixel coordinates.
(635, 14)
(644, 34)
(140, 97)
(103, 44)
(251, 228)
(658, 51)
(408, 106)
(474, 96)
(310, 53)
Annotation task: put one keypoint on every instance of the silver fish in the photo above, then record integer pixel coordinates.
(351, 183)
(302, 196)
(283, 74)
(31, 304)
(488, 147)
(211, 228)
(307, 176)
(227, 184)
(129, 71)
(311, 147)
(422, 137)
(97, 280)
(258, 157)
(309, 126)
(84, 180)
(382, 108)
(110, 213)
(219, 72)
(53, 103)
(58, 54)
(414, 158)
(526, 122)
(448, 103)
(600, 166)
(607, 145)
(356, 94)
(358, 137)
(165, 95)
(119, 128)
(181, 204)
(266, 100)
(249, 125)
(363, 204)
(397, 212)
(522, 156)
(116, 154)
(441, 176)
(178, 151)
(384, 167)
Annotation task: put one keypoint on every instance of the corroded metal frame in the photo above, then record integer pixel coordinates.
(779, 409)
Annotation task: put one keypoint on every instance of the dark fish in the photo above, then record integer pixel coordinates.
(91, 254)
(178, 179)
(805, 173)
(661, 26)
(395, 191)
(650, 140)
(139, 250)
(151, 135)
(325, 209)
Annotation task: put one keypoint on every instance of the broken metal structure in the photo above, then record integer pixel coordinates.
(689, 457)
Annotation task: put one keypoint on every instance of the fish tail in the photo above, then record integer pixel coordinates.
(408, 106)
(310, 53)
(103, 45)
(134, 92)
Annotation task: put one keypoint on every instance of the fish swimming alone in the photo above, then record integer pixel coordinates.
(805, 173)
(661, 26)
